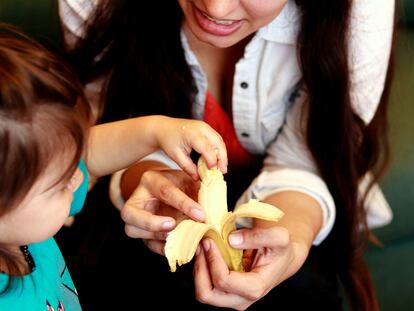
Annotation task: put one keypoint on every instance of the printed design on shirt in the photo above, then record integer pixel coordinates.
(60, 307)
(68, 284)
(67, 281)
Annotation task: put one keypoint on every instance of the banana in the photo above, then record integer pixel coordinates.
(182, 242)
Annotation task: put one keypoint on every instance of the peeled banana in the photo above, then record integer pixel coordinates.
(182, 242)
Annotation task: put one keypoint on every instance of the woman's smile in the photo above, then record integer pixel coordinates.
(225, 23)
(218, 27)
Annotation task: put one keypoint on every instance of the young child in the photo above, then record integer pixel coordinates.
(46, 154)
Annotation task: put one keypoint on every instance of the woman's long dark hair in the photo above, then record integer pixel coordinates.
(147, 69)
(344, 148)
(149, 74)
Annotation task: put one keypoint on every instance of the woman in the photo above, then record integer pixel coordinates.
(302, 86)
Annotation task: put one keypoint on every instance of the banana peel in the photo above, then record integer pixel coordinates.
(182, 242)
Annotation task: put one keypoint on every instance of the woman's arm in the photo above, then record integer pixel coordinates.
(289, 167)
(74, 15)
(371, 32)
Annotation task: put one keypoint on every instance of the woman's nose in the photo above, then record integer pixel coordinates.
(220, 9)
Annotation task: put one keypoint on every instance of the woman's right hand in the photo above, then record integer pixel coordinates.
(161, 200)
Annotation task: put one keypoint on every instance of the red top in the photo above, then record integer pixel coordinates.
(218, 119)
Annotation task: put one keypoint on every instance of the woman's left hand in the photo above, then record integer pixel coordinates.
(271, 258)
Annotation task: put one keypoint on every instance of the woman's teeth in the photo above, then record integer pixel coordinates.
(219, 22)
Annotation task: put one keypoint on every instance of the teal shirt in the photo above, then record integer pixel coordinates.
(49, 287)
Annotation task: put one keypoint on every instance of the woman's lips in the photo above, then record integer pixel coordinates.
(214, 26)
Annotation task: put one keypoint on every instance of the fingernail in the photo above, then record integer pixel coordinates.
(168, 225)
(197, 214)
(206, 245)
(198, 250)
(235, 239)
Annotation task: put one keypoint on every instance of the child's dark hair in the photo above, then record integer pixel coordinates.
(43, 115)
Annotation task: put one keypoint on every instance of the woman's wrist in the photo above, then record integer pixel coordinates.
(300, 251)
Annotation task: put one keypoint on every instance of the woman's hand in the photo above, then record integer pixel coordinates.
(274, 253)
(159, 202)
(271, 258)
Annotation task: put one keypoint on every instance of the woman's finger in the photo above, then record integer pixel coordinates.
(137, 233)
(134, 215)
(169, 193)
(274, 238)
(156, 246)
(248, 285)
(205, 290)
